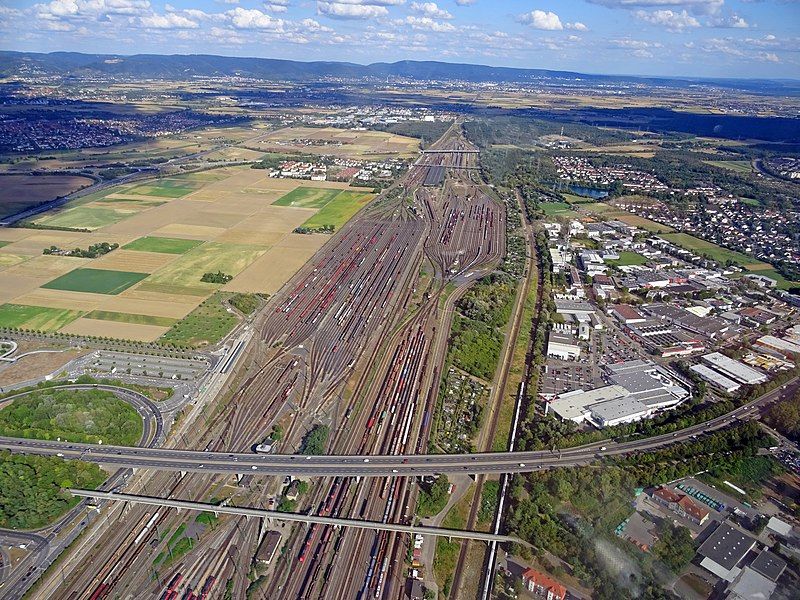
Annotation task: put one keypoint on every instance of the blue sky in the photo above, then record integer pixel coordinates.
(727, 38)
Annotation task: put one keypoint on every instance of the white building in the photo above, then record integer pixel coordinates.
(734, 369)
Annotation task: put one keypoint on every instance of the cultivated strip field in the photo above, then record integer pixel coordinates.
(171, 231)
(19, 192)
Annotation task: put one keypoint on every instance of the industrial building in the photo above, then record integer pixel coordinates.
(637, 390)
(724, 550)
(776, 344)
(563, 346)
(626, 314)
(734, 369)
(619, 411)
(718, 380)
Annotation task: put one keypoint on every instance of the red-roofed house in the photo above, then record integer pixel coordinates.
(681, 504)
(543, 586)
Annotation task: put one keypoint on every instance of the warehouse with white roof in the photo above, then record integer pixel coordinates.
(718, 380)
(734, 369)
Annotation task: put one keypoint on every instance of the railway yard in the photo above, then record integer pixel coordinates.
(342, 348)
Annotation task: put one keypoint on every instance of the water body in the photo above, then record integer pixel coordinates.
(588, 192)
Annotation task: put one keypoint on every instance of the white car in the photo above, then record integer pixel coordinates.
(254, 467)
(366, 460)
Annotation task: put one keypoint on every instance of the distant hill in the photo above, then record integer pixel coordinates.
(181, 66)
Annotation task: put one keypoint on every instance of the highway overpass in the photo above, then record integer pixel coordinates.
(296, 517)
(375, 465)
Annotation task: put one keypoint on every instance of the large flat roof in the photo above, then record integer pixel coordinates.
(727, 546)
(737, 370)
(715, 377)
(618, 408)
(576, 403)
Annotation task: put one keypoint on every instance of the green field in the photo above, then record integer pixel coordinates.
(38, 318)
(206, 324)
(339, 210)
(555, 208)
(84, 217)
(118, 317)
(627, 258)
(97, 281)
(703, 247)
(737, 166)
(183, 275)
(307, 197)
(606, 211)
(162, 245)
(84, 416)
(165, 188)
(2, 243)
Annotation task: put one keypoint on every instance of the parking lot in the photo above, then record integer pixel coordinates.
(145, 366)
(561, 376)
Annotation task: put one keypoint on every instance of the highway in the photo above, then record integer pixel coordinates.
(295, 517)
(374, 465)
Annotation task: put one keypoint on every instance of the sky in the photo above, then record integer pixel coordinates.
(704, 38)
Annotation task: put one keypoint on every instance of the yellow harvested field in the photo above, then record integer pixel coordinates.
(133, 260)
(13, 234)
(166, 306)
(33, 245)
(254, 237)
(274, 219)
(125, 331)
(339, 142)
(230, 209)
(83, 301)
(14, 285)
(136, 294)
(303, 242)
(273, 269)
(9, 260)
(191, 232)
(46, 267)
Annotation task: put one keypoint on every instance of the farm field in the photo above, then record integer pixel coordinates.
(20, 192)
(556, 208)
(207, 324)
(97, 281)
(83, 218)
(606, 211)
(737, 166)
(36, 317)
(717, 253)
(162, 245)
(339, 210)
(236, 220)
(307, 197)
(339, 142)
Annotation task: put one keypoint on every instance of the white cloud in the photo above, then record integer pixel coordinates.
(243, 18)
(427, 23)
(539, 19)
(430, 9)
(577, 26)
(702, 7)
(465, 2)
(275, 7)
(168, 21)
(668, 19)
(350, 10)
